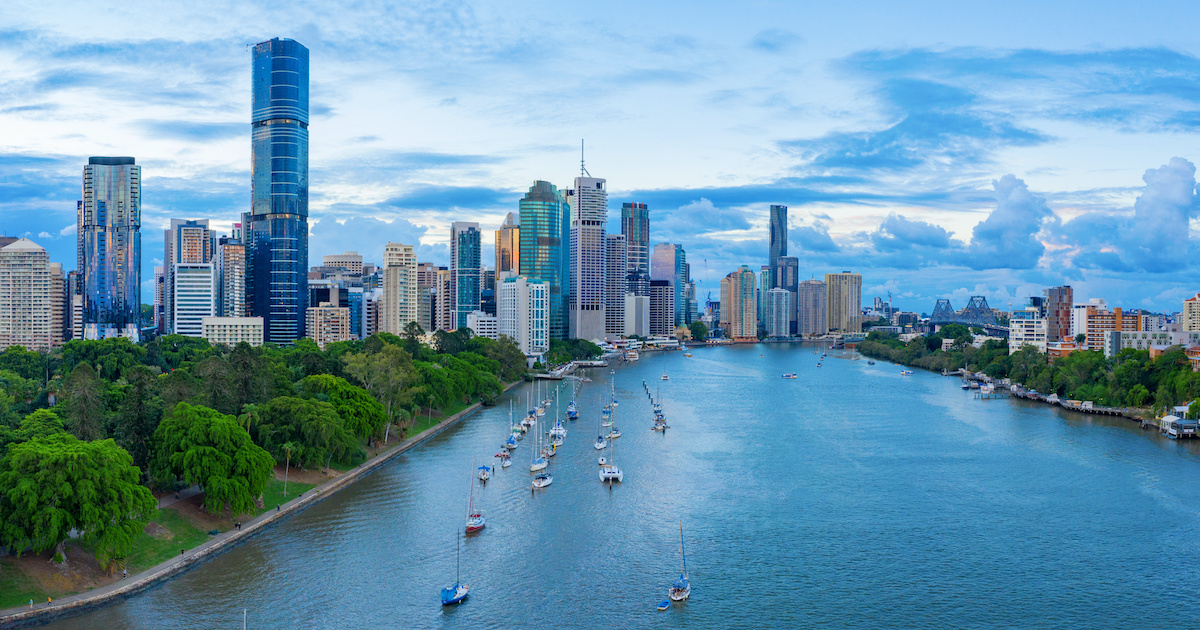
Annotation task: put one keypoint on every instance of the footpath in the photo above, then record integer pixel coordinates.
(79, 603)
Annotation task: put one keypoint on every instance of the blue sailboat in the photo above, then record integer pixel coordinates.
(455, 594)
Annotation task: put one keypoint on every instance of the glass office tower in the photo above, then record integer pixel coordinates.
(276, 228)
(109, 248)
(466, 243)
(544, 248)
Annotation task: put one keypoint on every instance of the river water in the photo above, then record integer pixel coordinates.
(852, 497)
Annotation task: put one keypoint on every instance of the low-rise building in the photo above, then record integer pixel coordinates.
(327, 323)
(231, 331)
(483, 324)
(523, 311)
(1116, 341)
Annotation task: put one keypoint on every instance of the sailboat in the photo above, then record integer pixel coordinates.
(538, 461)
(475, 520)
(608, 470)
(601, 442)
(455, 594)
(485, 472)
(681, 589)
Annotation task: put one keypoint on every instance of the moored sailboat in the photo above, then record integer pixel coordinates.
(682, 588)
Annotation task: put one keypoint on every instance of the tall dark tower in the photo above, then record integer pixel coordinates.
(276, 228)
(778, 234)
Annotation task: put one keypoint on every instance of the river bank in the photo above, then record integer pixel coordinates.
(79, 603)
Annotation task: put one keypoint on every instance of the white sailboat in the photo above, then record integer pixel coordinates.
(682, 588)
(609, 472)
(475, 520)
(538, 461)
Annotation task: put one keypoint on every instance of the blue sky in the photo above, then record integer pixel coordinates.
(941, 149)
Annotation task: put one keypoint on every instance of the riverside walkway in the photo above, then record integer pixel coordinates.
(79, 603)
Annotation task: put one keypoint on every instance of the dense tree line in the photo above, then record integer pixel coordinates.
(86, 430)
(1130, 379)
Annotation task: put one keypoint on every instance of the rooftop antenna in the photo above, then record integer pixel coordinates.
(582, 170)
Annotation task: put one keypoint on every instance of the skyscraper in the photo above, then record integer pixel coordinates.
(544, 248)
(669, 262)
(26, 302)
(635, 225)
(616, 271)
(1058, 305)
(276, 228)
(110, 248)
(811, 311)
(844, 301)
(779, 310)
(195, 297)
(465, 259)
(662, 307)
(786, 275)
(400, 303)
(589, 213)
(779, 234)
(508, 247)
(185, 242)
(739, 308)
(231, 276)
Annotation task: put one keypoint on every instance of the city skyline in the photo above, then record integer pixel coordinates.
(957, 162)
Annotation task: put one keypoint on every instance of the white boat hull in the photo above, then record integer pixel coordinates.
(609, 474)
(537, 466)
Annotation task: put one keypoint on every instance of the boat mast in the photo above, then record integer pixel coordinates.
(682, 550)
(457, 559)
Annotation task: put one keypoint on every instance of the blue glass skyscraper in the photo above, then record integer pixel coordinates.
(544, 248)
(465, 259)
(276, 228)
(109, 247)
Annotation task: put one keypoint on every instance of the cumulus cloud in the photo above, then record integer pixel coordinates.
(813, 238)
(1159, 234)
(900, 233)
(365, 235)
(1008, 237)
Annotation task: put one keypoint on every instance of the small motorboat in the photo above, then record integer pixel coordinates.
(906, 372)
(664, 377)
(664, 604)
(614, 433)
(687, 354)
(543, 480)
(603, 460)
(818, 364)
(790, 375)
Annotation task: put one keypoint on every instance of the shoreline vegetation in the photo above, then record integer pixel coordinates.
(116, 457)
(1130, 379)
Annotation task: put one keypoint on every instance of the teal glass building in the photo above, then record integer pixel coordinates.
(276, 228)
(544, 248)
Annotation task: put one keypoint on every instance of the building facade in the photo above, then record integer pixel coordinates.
(844, 302)
(484, 325)
(1027, 327)
(811, 310)
(616, 284)
(508, 246)
(669, 262)
(1057, 311)
(231, 277)
(1101, 321)
(352, 262)
(523, 313)
(779, 234)
(186, 242)
(194, 298)
(587, 293)
(400, 288)
(26, 296)
(739, 308)
(276, 228)
(231, 331)
(327, 323)
(637, 315)
(109, 248)
(544, 217)
(779, 312)
(662, 308)
(60, 315)
(1191, 313)
(635, 226)
(466, 259)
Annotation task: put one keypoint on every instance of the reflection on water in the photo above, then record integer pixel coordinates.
(850, 497)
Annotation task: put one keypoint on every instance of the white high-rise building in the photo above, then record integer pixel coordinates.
(195, 297)
(523, 311)
(587, 296)
(186, 242)
(26, 304)
(778, 311)
(484, 324)
(58, 305)
(231, 277)
(1027, 327)
(399, 288)
(616, 284)
(352, 262)
(637, 314)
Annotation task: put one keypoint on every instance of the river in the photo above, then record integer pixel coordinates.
(851, 497)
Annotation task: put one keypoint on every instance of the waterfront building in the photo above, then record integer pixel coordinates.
(843, 301)
(231, 331)
(483, 324)
(109, 248)
(465, 261)
(1027, 327)
(635, 226)
(1056, 308)
(327, 323)
(1117, 340)
(739, 312)
(669, 262)
(523, 313)
(616, 284)
(352, 262)
(400, 288)
(662, 308)
(764, 285)
(589, 214)
(444, 313)
(786, 275)
(194, 297)
(231, 276)
(779, 310)
(779, 234)
(186, 242)
(1101, 321)
(276, 228)
(544, 216)
(26, 296)
(508, 246)
(637, 315)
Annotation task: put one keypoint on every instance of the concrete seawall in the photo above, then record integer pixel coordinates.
(80, 603)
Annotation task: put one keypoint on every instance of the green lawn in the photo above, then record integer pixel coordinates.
(15, 588)
(149, 551)
(424, 422)
(273, 494)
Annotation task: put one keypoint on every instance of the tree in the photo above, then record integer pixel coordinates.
(53, 485)
(1081, 338)
(205, 447)
(387, 375)
(85, 399)
(311, 426)
(361, 414)
(138, 414)
(412, 338)
(699, 331)
(249, 416)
